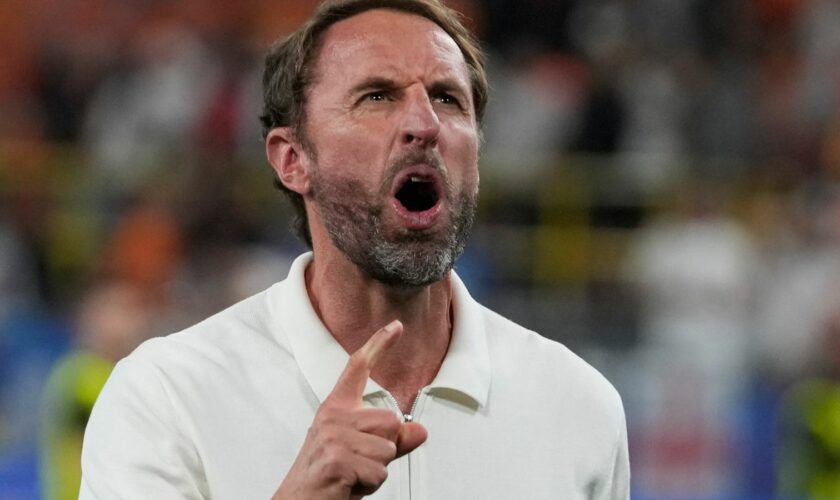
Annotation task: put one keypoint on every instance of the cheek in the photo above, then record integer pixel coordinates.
(349, 161)
(345, 154)
(354, 142)
(461, 153)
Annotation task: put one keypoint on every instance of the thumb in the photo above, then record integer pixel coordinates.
(410, 437)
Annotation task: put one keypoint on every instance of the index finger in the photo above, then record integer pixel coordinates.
(351, 384)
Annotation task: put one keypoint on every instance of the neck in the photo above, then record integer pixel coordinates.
(352, 307)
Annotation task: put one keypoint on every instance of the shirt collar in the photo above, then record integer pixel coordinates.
(465, 370)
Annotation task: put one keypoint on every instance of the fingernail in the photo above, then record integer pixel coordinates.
(393, 326)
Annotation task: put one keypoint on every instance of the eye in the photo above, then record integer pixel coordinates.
(445, 98)
(375, 96)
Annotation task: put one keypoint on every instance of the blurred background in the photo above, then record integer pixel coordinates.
(660, 192)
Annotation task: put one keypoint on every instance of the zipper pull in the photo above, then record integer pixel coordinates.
(407, 417)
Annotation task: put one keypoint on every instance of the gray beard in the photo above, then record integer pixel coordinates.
(399, 257)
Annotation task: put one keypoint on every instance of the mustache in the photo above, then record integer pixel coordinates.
(417, 157)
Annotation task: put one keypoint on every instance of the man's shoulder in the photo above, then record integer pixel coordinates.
(239, 331)
(519, 340)
(544, 363)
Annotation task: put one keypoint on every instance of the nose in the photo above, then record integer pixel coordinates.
(420, 124)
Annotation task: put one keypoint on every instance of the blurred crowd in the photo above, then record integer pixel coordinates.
(661, 191)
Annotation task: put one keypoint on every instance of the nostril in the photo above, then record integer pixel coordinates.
(422, 138)
(413, 138)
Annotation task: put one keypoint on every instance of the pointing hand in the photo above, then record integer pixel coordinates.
(349, 446)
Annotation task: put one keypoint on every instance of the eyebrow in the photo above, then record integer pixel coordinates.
(372, 83)
(378, 82)
(449, 85)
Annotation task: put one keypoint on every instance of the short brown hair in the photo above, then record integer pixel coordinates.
(289, 72)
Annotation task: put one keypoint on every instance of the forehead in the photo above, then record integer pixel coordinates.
(391, 44)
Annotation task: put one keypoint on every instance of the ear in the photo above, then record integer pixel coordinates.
(288, 159)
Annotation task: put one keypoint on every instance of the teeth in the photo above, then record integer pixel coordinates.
(416, 178)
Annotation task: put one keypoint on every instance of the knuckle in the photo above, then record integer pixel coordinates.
(373, 478)
(325, 412)
(334, 468)
(381, 474)
(313, 435)
(330, 436)
(390, 450)
(327, 416)
(391, 424)
(393, 420)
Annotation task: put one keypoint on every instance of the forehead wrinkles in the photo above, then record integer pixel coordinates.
(333, 51)
(448, 50)
(364, 43)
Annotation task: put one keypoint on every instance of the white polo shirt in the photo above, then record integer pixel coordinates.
(221, 409)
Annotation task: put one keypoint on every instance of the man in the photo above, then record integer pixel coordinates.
(372, 124)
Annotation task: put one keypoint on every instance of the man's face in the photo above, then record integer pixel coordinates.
(394, 146)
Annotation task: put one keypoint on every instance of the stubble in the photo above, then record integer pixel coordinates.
(395, 256)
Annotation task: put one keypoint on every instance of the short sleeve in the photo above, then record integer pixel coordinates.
(617, 481)
(135, 443)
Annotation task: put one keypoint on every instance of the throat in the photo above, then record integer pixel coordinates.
(414, 362)
(353, 308)
(406, 403)
(417, 195)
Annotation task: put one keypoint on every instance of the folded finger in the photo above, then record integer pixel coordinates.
(378, 421)
(373, 447)
(370, 475)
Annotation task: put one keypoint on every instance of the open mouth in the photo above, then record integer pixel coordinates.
(418, 193)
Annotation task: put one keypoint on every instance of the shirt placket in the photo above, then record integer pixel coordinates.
(408, 469)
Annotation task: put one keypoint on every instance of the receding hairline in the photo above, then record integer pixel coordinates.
(323, 36)
(453, 46)
(390, 10)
